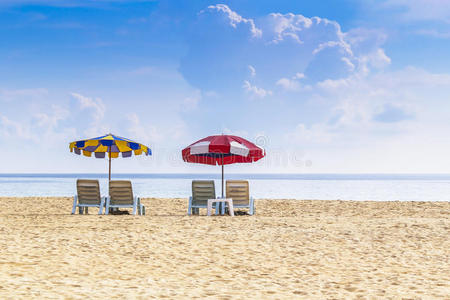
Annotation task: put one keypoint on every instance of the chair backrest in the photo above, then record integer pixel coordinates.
(88, 191)
(120, 192)
(202, 190)
(238, 190)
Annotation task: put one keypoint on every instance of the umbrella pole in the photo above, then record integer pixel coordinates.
(222, 175)
(109, 154)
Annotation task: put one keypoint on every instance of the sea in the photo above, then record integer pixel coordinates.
(376, 187)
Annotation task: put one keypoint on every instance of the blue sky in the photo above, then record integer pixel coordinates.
(332, 86)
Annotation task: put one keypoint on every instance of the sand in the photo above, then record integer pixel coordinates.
(290, 249)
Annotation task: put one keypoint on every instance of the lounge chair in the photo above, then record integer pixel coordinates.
(121, 196)
(202, 190)
(238, 190)
(88, 195)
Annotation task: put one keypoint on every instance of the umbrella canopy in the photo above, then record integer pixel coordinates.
(111, 144)
(222, 150)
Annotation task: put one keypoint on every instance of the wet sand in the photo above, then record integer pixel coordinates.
(290, 249)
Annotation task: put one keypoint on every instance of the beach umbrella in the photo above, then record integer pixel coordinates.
(222, 150)
(111, 144)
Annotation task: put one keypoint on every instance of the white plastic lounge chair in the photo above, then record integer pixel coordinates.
(88, 195)
(238, 190)
(202, 190)
(121, 196)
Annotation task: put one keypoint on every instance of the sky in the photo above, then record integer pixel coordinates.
(323, 86)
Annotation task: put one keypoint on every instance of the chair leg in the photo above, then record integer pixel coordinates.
(107, 206)
(252, 207)
(209, 209)
(135, 206)
(230, 208)
(74, 207)
(80, 210)
(102, 203)
(190, 206)
(86, 210)
(140, 207)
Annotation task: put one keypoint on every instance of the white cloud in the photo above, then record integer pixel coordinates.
(236, 19)
(191, 103)
(241, 133)
(94, 123)
(51, 120)
(143, 133)
(288, 84)
(254, 91)
(377, 59)
(421, 9)
(332, 44)
(325, 33)
(288, 43)
(293, 84)
(14, 129)
(252, 71)
(43, 127)
(96, 105)
(365, 109)
(287, 26)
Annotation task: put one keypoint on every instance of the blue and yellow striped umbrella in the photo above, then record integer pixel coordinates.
(111, 144)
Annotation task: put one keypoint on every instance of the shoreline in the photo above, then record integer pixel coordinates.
(256, 199)
(306, 249)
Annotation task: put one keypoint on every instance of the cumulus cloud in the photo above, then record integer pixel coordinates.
(357, 109)
(96, 105)
(94, 121)
(288, 84)
(235, 19)
(286, 26)
(254, 91)
(10, 128)
(51, 120)
(144, 133)
(275, 45)
(42, 127)
(293, 83)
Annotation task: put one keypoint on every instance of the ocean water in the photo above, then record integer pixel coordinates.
(377, 187)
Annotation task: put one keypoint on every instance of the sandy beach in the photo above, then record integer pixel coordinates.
(291, 249)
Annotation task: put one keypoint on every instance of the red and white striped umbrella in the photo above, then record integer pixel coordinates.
(222, 150)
